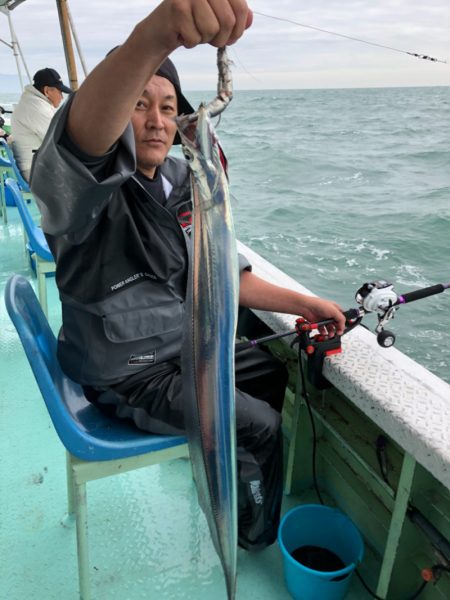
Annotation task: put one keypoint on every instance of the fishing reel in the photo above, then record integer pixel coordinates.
(373, 297)
(380, 297)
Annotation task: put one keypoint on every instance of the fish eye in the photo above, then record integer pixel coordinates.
(188, 155)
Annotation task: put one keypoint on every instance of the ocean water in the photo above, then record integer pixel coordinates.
(341, 187)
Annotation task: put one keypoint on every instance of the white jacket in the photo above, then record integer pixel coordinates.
(29, 123)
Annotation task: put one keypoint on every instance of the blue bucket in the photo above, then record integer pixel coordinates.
(324, 527)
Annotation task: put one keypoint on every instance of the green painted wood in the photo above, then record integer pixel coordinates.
(291, 414)
(398, 519)
(353, 444)
(349, 476)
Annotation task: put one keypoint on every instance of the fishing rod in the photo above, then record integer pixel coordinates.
(354, 39)
(373, 297)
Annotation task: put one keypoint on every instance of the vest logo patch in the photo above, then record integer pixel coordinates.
(142, 359)
(130, 279)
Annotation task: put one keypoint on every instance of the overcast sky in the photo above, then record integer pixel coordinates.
(273, 54)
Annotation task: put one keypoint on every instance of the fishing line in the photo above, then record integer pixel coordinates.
(244, 67)
(354, 39)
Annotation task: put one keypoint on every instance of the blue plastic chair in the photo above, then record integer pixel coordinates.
(5, 171)
(97, 446)
(9, 168)
(5, 148)
(41, 258)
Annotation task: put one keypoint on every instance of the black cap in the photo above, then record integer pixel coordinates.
(168, 71)
(51, 78)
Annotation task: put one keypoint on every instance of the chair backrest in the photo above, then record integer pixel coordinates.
(39, 344)
(34, 233)
(85, 432)
(6, 149)
(6, 171)
(5, 163)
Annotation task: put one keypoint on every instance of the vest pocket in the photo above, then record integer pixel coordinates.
(143, 323)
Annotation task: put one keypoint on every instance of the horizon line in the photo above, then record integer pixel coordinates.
(359, 87)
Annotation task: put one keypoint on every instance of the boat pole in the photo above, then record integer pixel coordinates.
(16, 50)
(64, 22)
(76, 40)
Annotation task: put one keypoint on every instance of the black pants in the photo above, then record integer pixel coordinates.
(153, 400)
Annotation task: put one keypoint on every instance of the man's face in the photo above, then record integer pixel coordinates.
(54, 95)
(154, 124)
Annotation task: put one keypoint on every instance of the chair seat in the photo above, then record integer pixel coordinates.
(95, 436)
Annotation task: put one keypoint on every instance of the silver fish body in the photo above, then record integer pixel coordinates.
(207, 356)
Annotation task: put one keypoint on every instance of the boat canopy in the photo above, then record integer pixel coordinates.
(10, 4)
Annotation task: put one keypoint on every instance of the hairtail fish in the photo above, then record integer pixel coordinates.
(207, 355)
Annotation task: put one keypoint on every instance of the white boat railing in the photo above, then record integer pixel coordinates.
(403, 398)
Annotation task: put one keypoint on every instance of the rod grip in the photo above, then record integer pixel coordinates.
(422, 293)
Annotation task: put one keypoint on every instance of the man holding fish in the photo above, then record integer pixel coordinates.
(116, 213)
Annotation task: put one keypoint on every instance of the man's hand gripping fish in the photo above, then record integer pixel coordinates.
(207, 356)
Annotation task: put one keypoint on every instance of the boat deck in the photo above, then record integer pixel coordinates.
(148, 537)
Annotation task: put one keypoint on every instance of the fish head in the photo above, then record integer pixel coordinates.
(198, 138)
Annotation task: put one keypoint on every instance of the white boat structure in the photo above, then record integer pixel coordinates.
(68, 34)
(382, 455)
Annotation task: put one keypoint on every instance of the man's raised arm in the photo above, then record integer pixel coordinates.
(103, 105)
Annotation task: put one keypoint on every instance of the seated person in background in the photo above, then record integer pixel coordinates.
(32, 115)
(3, 127)
(3, 133)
